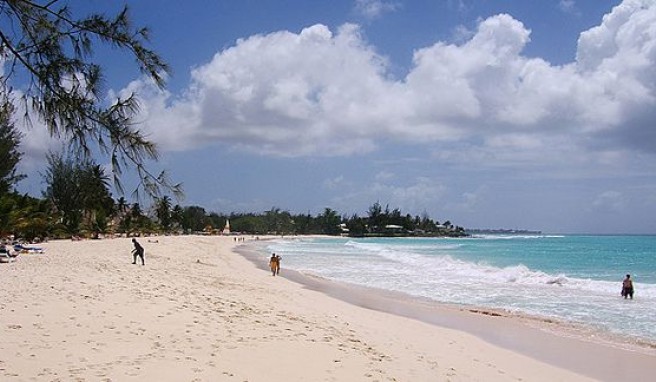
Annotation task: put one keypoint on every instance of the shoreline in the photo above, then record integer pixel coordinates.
(199, 311)
(515, 332)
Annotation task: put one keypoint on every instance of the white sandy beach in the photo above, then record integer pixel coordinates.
(200, 312)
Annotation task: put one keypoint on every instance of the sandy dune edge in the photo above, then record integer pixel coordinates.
(199, 312)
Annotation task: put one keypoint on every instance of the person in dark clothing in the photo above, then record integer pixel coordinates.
(138, 251)
(627, 287)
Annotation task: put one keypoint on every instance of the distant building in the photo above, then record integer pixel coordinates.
(394, 229)
(343, 230)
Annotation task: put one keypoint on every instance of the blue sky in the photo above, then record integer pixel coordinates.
(491, 114)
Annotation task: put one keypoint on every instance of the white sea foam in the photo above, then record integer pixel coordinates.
(513, 237)
(441, 270)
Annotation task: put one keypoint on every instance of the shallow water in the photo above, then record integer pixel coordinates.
(570, 278)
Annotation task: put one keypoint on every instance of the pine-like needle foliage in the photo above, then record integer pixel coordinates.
(46, 47)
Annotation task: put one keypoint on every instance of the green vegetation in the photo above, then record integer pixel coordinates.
(77, 202)
(49, 53)
(50, 71)
(9, 154)
(50, 75)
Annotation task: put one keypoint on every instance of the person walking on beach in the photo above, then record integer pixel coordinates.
(274, 264)
(627, 287)
(137, 251)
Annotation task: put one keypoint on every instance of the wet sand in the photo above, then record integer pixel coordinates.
(198, 311)
(598, 355)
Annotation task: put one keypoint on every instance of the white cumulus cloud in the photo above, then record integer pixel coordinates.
(324, 93)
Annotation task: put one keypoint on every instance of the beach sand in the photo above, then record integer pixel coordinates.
(198, 311)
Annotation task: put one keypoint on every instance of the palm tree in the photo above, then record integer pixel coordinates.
(163, 212)
(121, 206)
(330, 221)
(32, 218)
(96, 198)
(375, 216)
(177, 215)
(271, 220)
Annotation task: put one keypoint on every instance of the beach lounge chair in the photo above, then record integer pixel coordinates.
(20, 248)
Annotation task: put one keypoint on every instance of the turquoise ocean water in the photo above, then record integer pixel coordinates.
(575, 279)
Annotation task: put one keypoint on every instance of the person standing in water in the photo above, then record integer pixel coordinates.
(627, 287)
